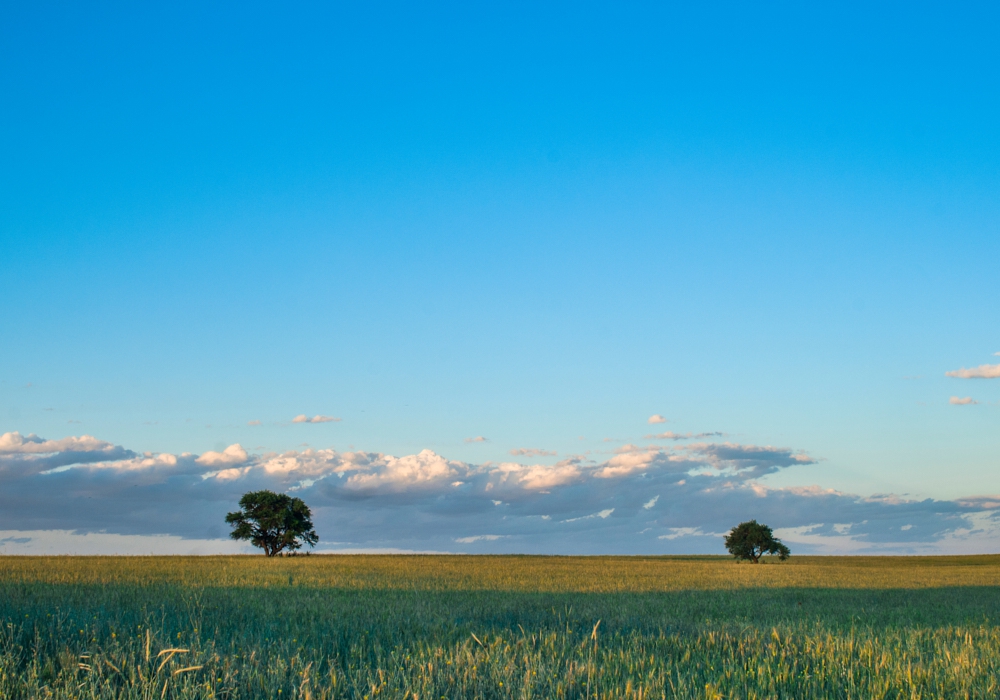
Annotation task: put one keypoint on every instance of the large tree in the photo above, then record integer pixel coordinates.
(272, 521)
(751, 540)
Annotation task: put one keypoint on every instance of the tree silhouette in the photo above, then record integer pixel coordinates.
(751, 540)
(272, 521)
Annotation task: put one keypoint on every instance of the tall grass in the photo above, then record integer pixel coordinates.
(498, 627)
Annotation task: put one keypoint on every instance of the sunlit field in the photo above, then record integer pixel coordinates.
(498, 627)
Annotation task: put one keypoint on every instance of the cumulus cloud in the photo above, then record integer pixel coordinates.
(303, 418)
(537, 477)
(967, 401)
(410, 473)
(15, 443)
(478, 438)
(980, 372)
(639, 500)
(656, 418)
(531, 452)
(234, 454)
(32, 454)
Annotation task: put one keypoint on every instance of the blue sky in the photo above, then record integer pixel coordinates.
(535, 225)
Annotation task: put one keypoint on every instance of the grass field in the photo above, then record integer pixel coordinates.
(499, 627)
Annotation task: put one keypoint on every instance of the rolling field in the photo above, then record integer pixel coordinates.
(499, 627)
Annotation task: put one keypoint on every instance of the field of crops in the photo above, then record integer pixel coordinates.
(499, 627)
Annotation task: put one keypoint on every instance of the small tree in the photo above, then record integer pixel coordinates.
(272, 521)
(752, 540)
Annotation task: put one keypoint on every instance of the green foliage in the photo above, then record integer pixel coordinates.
(751, 540)
(485, 628)
(275, 522)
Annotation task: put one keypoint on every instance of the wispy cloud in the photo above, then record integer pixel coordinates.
(671, 435)
(980, 372)
(678, 532)
(967, 401)
(656, 418)
(478, 438)
(603, 515)
(253, 422)
(641, 500)
(531, 452)
(303, 418)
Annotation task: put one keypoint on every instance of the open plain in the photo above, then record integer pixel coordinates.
(368, 627)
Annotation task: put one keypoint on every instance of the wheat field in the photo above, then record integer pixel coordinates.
(498, 627)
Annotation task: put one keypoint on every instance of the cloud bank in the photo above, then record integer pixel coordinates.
(639, 500)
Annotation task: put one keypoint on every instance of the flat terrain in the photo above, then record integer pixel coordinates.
(499, 627)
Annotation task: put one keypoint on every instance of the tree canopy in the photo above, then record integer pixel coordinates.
(751, 540)
(275, 522)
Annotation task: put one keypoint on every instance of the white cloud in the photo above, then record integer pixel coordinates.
(30, 454)
(253, 422)
(980, 372)
(651, 502)
(418, 471)
(478, 438)
(147, 462)
(303, 418)
(627, 463)
(310, 462)
(15, 443)
(531, 452)
(656, 418)
(230, 474)
(967, 401)
(538, 477)
(603, 515)
(234, 454)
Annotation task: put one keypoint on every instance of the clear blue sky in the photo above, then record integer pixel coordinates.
(539, 225)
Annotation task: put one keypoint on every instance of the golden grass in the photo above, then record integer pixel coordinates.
(509, 573)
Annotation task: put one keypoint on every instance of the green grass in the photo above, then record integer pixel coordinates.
(498, 627)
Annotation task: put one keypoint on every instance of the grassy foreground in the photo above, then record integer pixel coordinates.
(498, 627)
